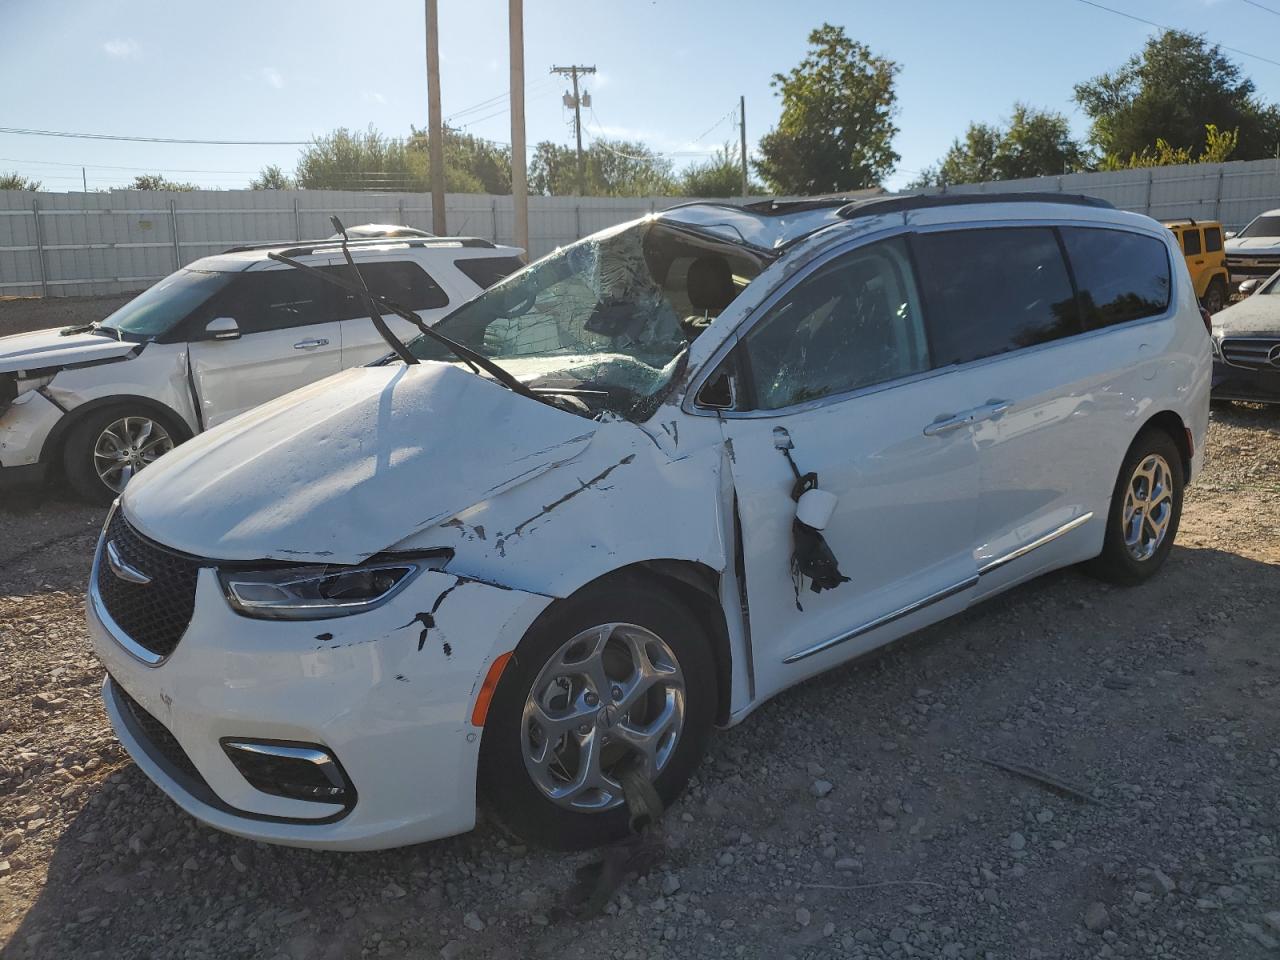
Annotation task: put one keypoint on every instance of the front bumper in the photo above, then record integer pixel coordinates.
(390, 700)
(1231, 382)
(24, 426)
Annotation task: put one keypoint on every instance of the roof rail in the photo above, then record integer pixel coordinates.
(1180, 221)
(921, 201)
(300, 248)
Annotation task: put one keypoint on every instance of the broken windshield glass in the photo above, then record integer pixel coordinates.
(611, 316)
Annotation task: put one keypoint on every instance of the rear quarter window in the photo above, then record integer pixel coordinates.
(1121, 276)
(486, 271)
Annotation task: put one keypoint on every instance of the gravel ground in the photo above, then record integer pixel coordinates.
(852, 816)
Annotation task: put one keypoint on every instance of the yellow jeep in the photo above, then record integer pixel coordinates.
(1201, 243)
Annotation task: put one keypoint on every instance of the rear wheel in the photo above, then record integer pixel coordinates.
(1215, 297)
(1146, 507)
(105, 449)
(618, 676)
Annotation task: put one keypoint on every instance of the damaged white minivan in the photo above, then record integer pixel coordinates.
(630, 493)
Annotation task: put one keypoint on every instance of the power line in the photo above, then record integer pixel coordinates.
(26, 132)
(106, 166)
(1254, 3)
(1162, 26)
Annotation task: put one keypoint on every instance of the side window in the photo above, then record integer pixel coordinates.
(1191, 241)
(994, 290)
(486, 271)
(277, 300)
(854, 322)
(1121, 276)
(1212, 239)
(402, 281)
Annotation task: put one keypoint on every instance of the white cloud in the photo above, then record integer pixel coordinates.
(273, 77)
(373, 96)
(121, 49)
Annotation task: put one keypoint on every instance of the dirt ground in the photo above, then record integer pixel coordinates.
(854, 816)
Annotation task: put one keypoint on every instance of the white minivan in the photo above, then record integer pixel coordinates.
(630, 493)
(227, 332)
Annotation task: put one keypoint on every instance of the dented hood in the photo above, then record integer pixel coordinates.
(49, 349)
(347, 467)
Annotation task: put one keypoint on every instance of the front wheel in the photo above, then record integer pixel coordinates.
(1215, 297)
(618, 676)
(1146, 507)
(109, 446)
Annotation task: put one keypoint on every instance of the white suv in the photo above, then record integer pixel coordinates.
(208, 342)
(632, 492)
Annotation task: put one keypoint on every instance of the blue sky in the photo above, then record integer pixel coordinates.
(670, 73)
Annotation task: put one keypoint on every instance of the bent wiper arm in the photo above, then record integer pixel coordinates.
(462, 352)
(403, 352)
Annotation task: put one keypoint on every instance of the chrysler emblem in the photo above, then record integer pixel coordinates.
(123, 570)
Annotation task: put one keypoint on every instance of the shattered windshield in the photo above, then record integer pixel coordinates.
(158, 309)
(608, 318)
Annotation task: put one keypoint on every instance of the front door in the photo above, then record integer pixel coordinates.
(289, 336)
(839, 368)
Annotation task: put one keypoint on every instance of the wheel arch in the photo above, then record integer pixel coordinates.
(51, 450)
(1171, 423)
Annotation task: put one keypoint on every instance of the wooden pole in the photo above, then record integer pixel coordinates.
(435, 131)
(519, 183)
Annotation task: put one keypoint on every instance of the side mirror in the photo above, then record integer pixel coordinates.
(1230, 235)
(223, 328)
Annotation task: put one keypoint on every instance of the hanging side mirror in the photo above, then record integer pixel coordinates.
(223, 328)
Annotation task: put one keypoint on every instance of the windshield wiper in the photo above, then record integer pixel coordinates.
(373, 301)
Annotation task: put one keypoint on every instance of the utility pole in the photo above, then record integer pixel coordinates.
(577, 102)
(84, 180)
(519, 184)
(742, 130)
(435, 133)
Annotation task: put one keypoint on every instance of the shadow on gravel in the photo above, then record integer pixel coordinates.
(133, 876)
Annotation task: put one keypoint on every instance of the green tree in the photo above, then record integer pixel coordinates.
(836, 129)
(16, 181)
(1175, 87)
(611, 168)
(1218, 148)
(272, 177)
(157, 181)
(718, 176)
(1033, 143)
(347, 160)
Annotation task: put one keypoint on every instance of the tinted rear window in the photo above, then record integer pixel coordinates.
(992, 291)
(1212, 239)
(486, 271)
(403, 282)
(1121, 276)
(1191, 242)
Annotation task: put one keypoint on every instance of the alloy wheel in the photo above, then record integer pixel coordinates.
(127, 445)
(612, 695)
(1148, 507)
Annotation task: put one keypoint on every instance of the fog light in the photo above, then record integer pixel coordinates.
(299, 771)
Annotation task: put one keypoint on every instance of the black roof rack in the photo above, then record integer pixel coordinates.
(875, 206)
(301, 248)
(1180, 221)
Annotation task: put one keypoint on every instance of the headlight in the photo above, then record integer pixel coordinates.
(320, 592)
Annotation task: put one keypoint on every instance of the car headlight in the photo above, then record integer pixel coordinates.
(322, 591)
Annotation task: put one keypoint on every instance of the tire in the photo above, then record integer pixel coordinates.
(84, 459)
(635, 609)
(1215, 296)
(1134, 559)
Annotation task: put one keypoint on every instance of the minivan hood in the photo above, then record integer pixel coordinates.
(45, 349)
(348, 466)
(1259, 313)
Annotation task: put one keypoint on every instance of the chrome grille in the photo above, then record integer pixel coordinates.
(1253, 353)
(154, 614)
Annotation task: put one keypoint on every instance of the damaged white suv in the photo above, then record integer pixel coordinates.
(630, 493)
(101, 401)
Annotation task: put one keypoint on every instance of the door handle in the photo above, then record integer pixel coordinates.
(945, 424)
(311, 344)
(991, 409)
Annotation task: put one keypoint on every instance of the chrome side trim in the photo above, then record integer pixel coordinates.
(1023, 550)
(888, 618)
(312, 755)
(134, 649)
